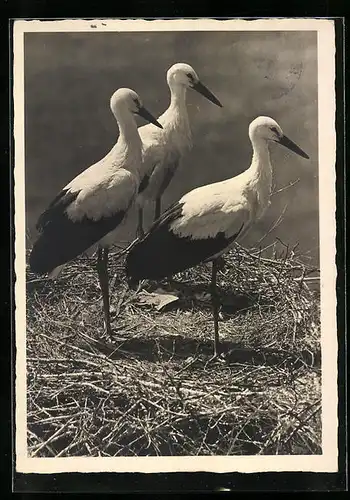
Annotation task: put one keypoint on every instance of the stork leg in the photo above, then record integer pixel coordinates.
(102, 270)
(157, 209)
(139, 232)
(215, 300)
(220, 263)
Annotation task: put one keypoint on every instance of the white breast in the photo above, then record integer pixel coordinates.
(110, 193)
(212, 209)
(161, 146)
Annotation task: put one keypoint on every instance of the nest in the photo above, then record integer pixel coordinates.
(151, 389)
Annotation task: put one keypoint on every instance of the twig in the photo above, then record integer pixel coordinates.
(303, 422)
(285, 187)
(70, 361)
(275, 224)
(70, 446)
(77, 349)
(120, 254)
(34, 436)
(92, 386)
(52, 437)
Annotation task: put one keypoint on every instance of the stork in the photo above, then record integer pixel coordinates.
(207, 221)
(86, 212)
(163, 149)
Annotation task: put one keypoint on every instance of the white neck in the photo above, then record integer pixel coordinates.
(261, 157)
(259, 175)
(128, 132)
(178, 97)
(175, 119)
(129, 144)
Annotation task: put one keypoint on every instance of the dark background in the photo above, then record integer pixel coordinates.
(69, 78)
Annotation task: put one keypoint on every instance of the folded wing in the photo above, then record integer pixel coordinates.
(72, 223)
(191, 231)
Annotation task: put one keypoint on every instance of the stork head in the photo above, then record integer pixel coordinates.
(127, 100)
(268, 129)
(182, 74)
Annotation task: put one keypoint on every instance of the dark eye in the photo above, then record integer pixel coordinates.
(274, 129)
(136, 102)
(190, 77)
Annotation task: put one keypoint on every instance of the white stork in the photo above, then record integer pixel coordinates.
(87, 211)
(207, 221)
(163, 149)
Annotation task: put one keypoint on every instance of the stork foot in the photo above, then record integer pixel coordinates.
(107, 333)
(135, 285)
(216, 357)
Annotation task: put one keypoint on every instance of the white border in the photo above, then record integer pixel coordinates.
(327, 462)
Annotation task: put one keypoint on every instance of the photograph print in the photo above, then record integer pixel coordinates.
(175, 245)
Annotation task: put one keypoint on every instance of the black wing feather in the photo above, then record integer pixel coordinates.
(58, 204)
(62, 239)
(162, 253)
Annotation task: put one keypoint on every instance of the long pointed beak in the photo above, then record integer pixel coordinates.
(147, 116)
(202, 89)
(288, 143)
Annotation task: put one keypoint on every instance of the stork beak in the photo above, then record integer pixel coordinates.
(285, 141)
(147, 116)
(202, 89)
